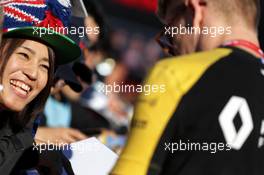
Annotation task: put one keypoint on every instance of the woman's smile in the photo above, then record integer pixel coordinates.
(20, 88)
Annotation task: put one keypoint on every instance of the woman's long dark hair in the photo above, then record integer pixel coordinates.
(22, 119)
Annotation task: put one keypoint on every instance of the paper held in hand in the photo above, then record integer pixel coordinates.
(90, 156)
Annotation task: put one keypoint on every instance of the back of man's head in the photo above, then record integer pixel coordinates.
(230, 10)
(245, 9)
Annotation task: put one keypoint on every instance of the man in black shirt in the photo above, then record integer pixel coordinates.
(210, 118)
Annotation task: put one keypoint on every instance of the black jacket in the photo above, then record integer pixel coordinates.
(13, 142)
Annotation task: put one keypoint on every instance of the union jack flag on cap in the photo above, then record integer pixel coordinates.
(40, 13)
(41, 20)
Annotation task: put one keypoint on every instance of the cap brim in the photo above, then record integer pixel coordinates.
(66, 50)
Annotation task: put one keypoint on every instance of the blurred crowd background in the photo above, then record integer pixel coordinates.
(122, 53)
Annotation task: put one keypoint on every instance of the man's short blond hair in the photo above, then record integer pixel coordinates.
(248, 9)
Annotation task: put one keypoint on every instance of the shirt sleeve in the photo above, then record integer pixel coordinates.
(152, 113)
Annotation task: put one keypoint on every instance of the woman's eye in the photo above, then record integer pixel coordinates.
(24, 55)
(45, 66)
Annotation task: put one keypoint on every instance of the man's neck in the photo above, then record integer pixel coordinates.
(239, 33)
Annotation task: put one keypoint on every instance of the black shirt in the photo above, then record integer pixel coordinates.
(208, 121)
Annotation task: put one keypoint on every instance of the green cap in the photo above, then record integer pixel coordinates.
(66, 50)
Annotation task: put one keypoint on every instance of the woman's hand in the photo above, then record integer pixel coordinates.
(59, 135)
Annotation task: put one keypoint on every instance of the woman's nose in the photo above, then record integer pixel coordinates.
(31, 72)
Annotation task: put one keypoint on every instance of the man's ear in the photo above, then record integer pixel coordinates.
(196, 6)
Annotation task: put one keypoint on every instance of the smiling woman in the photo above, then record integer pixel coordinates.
(26, 72)
(27, 65)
